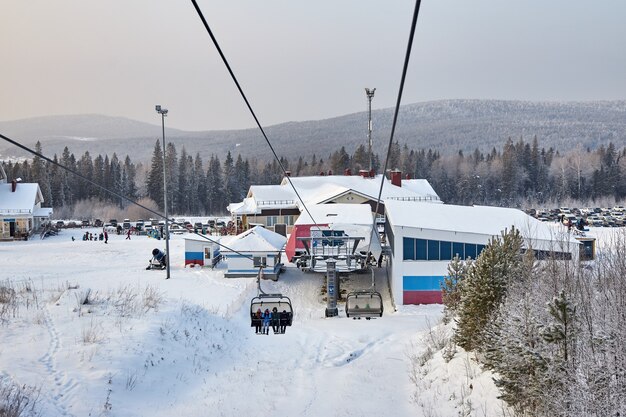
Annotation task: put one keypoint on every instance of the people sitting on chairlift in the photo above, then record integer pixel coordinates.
(259, 317)
(266, 321)
(284, 316)
(275, 320)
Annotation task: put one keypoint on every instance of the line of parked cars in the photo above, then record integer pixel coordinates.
(145, 225)
(596, 216)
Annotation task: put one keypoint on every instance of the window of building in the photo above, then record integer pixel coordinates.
(445, 251)
(458, 249)
(420, 249)
(408, 249)
(470, 250)
(433, 250)
(271, 220)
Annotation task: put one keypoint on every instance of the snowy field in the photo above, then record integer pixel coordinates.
(146, 346)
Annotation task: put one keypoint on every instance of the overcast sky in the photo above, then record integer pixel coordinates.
(299, 60)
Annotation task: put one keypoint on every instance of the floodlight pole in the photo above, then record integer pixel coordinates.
(163, 113)
(370, 95)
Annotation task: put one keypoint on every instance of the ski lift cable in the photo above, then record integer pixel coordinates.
(116, 194)
(395, 116)
(245, 99)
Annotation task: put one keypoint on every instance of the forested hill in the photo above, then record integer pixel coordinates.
(447, 126)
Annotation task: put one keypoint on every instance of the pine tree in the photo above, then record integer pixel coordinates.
(230, 180)
(214, 186)
(485, 288)
(451, 285)
(154, 182)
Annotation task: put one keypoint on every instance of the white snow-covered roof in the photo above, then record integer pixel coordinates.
(273, 195)
(247, 206)
(257, 239)
(42, 212)
(323, 188)
(22, 201)
(360, 214)
(484, 220)
(410, 189)
(195, 237)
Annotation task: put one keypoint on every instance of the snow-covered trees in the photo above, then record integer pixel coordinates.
(554, 333)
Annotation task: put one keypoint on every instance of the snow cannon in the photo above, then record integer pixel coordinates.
(158, 260)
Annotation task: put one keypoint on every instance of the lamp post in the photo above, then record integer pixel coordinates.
(163, 113)
(370, 95)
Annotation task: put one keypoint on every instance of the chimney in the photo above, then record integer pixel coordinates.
(13, 186)
(407, 176)
(396, 178)
(363, 173)
(330, 172)
(347, 172)
(372, 173)
(287, 173)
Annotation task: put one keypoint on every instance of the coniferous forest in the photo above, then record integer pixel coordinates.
(521, 174)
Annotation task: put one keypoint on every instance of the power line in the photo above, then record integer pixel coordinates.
(245, 99)
(395, 114)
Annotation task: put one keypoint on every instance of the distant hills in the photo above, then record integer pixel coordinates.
(446, 125)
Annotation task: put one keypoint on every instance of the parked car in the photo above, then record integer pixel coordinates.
(60, 224)
(177, 229)
(98, 223)
(113, 222)
(85, 223)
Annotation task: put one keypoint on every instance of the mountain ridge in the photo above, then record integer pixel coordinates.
(443, 125)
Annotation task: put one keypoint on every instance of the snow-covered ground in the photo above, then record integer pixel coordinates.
(146, 346)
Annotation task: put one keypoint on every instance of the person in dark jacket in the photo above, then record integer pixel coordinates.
(275, 320)
(284, 318)
(259, 317)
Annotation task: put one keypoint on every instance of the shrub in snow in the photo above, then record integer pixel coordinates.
(17, 401)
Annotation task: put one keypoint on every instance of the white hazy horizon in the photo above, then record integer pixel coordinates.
(299, 61)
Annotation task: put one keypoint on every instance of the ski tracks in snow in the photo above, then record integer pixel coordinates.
(63, 386)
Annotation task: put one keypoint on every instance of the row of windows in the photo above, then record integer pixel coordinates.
(438, 250)
(274, 220)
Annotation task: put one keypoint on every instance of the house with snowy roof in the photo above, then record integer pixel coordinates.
(252, 247)
(423, 238)
(20, 209)
(269, 205)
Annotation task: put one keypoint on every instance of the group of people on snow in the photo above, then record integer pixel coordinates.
(94, 236)
(278, 321)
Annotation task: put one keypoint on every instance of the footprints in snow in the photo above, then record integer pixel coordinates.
(63, 385)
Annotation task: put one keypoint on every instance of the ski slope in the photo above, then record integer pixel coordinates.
(146, 346)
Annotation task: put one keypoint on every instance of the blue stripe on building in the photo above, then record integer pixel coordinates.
(421, 283)
(194, 256)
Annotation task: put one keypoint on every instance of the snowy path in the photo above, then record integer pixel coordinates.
(59, 392)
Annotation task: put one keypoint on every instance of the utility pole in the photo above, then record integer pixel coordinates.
(370, 95)
(163, 113)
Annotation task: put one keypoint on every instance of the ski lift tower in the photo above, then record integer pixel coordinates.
(370, 95)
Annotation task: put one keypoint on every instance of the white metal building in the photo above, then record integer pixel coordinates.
(423, 238)
(257, 242)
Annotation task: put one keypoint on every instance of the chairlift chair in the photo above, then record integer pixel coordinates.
(264, 301)
(269, 301)
(366, 304)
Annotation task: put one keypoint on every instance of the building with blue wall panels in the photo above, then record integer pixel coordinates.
(423, 238)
